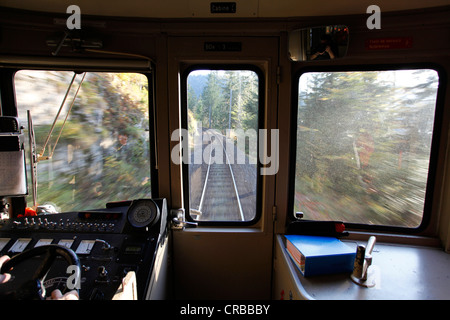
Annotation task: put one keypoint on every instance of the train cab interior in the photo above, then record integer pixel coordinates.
(211, 150)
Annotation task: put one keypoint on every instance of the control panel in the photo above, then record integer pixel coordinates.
(125, 236)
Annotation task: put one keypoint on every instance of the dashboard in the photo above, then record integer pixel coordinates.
(125, 236)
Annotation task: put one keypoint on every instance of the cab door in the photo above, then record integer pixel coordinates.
(222, 95)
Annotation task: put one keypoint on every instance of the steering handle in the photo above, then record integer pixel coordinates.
(50, 252)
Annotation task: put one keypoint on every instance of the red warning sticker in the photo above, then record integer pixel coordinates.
(389, 43)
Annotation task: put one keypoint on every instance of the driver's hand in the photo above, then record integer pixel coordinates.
(4, 277)
(57, 295)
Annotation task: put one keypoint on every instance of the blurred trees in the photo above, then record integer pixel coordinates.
(103, 154)
(363, 145)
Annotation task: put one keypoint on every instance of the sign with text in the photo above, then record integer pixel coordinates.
(223, 46)
(223, 7)
(389, 43)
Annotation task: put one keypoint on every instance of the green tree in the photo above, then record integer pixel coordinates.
(355, 132)
(213, 102)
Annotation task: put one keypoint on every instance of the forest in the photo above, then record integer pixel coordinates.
(223, 99)
(363, 145)
(103, 153)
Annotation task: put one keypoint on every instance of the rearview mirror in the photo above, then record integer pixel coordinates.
(318, 43)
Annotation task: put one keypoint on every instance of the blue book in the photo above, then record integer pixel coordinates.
(314, 255)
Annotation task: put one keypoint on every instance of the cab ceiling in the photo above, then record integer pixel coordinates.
(201, 8)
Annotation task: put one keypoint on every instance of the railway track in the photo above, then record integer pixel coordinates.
(220, 196)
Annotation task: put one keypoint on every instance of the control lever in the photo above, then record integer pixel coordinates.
(102, 272)
(102, 275)
(363, 261)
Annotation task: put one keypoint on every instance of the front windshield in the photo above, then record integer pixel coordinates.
(103, 153)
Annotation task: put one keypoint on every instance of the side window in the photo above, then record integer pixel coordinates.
(103, 151)
(363, 146)
(222, 118)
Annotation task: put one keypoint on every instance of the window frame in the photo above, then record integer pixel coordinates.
(432, 178)
(184, 124)
(12, 108)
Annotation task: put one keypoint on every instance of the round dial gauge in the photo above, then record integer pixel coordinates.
(142, 213)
